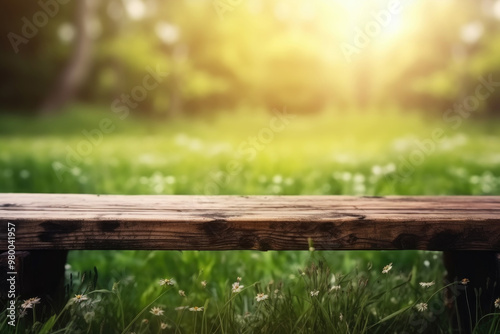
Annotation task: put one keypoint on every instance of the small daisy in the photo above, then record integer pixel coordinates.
(166, 281)
(180, 308)
(464, 281)
(182, 293)
(156, 311)
(204, 284)
(314, 293)
(145, 321)
(196, 309)
(238, 279)
(335, 288)
(237, 287)
(29, 303)
(164, 325)
(387, 268)
(261, 297)
(497, 303)
(426, 284)
(35, 300)
(421, 307)
(80, 298)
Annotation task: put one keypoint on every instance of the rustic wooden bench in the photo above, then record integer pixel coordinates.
(468, 228)
(68, 221)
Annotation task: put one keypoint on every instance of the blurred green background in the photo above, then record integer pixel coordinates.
(310, 56)
(304, 97)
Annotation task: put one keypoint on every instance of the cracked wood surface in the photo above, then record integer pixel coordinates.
(70, 221)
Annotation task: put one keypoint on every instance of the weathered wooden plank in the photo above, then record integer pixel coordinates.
(69, 221)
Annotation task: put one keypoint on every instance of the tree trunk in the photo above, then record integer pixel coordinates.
(77, 67)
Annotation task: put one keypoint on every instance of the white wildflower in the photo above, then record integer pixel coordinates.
(237, 287)
(167, 281)
(421, 307)
(196, 309)
(156, 311)
(426, 284)
(261, 296)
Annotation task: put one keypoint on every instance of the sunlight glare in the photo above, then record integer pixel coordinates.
(380, 19)
(136, 9)
(496, 10)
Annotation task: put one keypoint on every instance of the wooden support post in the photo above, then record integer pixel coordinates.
(482, 269)
(40, 273)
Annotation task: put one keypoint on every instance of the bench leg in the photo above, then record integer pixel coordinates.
(39, 274)
(483, 271)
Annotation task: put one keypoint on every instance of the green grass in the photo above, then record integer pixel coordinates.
(323, 154)
(336, 153)
(315, 297)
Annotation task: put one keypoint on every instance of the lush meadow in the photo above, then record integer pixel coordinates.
(300, 292)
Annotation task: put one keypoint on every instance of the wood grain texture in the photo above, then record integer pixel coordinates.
(69, 221)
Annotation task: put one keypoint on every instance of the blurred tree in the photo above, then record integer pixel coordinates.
(256, 54)
(29, 52)
(75, 71)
